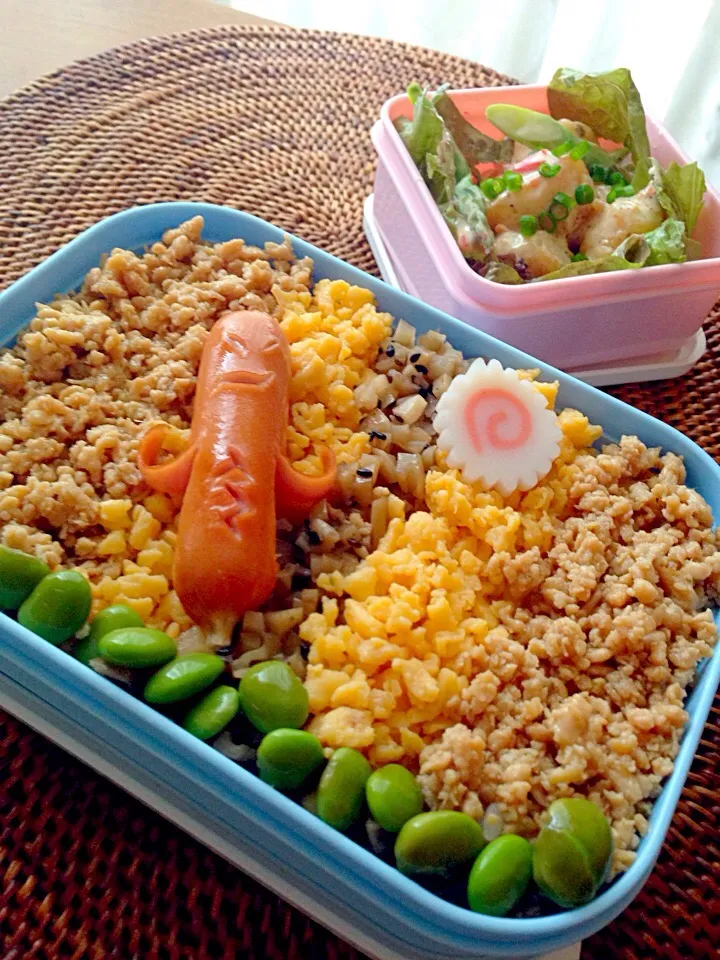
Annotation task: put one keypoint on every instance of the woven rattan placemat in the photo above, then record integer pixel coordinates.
(276, 122)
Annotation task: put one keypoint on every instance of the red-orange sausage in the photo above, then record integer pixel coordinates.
(232, 473)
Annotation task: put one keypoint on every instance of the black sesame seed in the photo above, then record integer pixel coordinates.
(313, 537)
(414, 357)
(390, 350)
(421, 368)
(377, 435)
(424, 392)
(304, 649)
(364, 472)
(301, 581)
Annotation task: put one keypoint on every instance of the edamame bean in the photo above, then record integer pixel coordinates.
(213, 713)
(287, 758)
(20, 573)
(342, 788)
(183, 677)
(272, 696)
(436, 842)
(500, 875)
(111, 618)
(572, 853)
(393, 796)
(137, 647)
(57, 607)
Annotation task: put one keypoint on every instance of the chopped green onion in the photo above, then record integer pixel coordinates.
(562, 148)
(546, 221)
(598, 172)
(576, 257)
(579, 150)
(528, 224)
(492, 187)
(615, 178)
(414, 91)
(513, 180)
(621, 190)
(584, 193)
(549, 169)
(561, 206)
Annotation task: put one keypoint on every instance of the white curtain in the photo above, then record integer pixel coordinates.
(671, 46)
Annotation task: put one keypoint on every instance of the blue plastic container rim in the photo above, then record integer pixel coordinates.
(135, 229)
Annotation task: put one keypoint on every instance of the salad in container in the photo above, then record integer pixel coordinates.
(569, 193)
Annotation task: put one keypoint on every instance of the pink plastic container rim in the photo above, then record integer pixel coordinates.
(532, 297)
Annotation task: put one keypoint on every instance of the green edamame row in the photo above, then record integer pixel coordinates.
(568, 861)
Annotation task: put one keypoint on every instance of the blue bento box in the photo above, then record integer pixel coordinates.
(277, 841)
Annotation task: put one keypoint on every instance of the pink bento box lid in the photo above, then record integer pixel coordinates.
(538, 297)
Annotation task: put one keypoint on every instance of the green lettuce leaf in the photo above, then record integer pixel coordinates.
(667, 243)
(681, 191)
(609, 103)
(583, 268)
(475, 146)
(431, 145)
(634, 249)
(440, 169)
(500, 272)
(465, 216)
(423, 133)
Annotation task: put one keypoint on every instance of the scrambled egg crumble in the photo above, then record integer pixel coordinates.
(334, 336)
(407, 657)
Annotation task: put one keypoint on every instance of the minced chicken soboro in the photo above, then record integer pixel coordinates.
(510, 650)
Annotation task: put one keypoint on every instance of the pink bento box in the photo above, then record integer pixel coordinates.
(571, 323)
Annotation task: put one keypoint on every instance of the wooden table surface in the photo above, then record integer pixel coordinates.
(39, 36)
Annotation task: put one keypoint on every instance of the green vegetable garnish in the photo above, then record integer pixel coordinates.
(610, 104)
(634, 249)
(612, 196)
(549, 169)
(584, 193)
(598, 172)
(561, 206)
(563, 148)
(579, 150)
(536, 130)
(500, 272)
(431, 146)
(615, 178)
(414, 91)
(667, 243)
(475, 146)
(528, 225)
(581, 268)
(513, 180)
(540, 131)
(492, 187)
(680, 191)
(577, 257)
(546, 222)
(465, 216)
(624, 190)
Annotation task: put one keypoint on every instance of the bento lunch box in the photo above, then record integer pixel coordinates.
(574, 323)
(274, 839)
